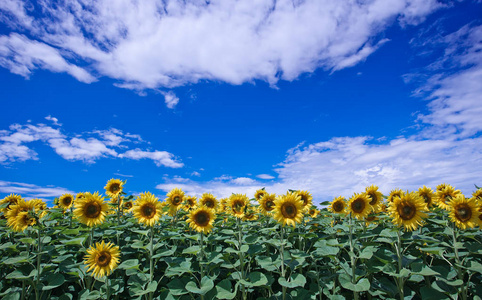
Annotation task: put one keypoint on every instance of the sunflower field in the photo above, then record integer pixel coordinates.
(420, 244)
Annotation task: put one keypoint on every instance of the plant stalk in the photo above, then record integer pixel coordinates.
(352, 257)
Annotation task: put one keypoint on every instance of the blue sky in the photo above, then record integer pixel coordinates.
(230, 96)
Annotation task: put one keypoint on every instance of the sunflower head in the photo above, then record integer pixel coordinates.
(175, 198)
(80, 196)
(259, 194)
(209, 201)
(11, 199)
(426, 194)
(375, 197)
(147, 209)
(102, 259)
(359, 206)
(237, 204)
(409, 210)
(113, 188)
(66, 201)
(396, 193)
(266, 203)
(127, 206)
(444, 196)
(201, 219)
(338, 205)
(313, 212)
(91, 209)
(22, 215)
(477, 195)
(189, 203)
(464, 212)
(442, 186)
(251, 214)
(306, 198)
(288, 209)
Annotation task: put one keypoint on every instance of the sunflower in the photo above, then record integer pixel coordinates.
(338, 205)
(396, 193)
(223, 205)
(23, 220)
(201, 219)
(259, 194)
(209, 201)
(237, 204)
(127, 206)
(375, 197)
(113, 188)
(102, 259)
(266, 204)
(464, 212)
(288, 209)
(66, 201)
(21, 215)
(174, 199)
(444, 196)
(313, 212)
(11, 199)
(359, 206)
(442, 186)
(189, 203)
(306, 198)
(477, 195)
(147, 209)
(79, 196)
(251, 214)
(427, 195)
(91, 209)
(408, 210)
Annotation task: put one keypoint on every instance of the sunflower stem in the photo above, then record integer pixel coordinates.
(71, 214)
(283, 260)
(241, 258)
(352, 256)
(201, 260)
(118, 219)
(460, 272)
(106, 288)
(39, 257)
(400, 279)
(151, 263)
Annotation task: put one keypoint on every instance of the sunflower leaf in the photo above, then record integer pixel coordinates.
(296, 280)
(129, 264)
(206, 285)
(223, 289)
(192, 250)
(54, 280)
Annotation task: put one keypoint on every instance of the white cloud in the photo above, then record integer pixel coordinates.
(197, 174)
(243, 181)
(32, 190)
(152, 44)
(160, 158)
(170, 99)
(265, 176)
(81, 149)
(53, 119)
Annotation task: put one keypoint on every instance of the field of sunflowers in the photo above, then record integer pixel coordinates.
(424, 244)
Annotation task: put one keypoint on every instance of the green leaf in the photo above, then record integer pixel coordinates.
(206, 285)
(129, 264)
(151, 287)
(297, 280)
(223, 289)
(177, 287)
(256, 279)
(15, 260)
(28, 241)
(77, 241)
(429, 293)
(192, 250)
(54, 280)
(422, 269)
(142, 232)
(362, 285)
(367, 252)
(323, 249)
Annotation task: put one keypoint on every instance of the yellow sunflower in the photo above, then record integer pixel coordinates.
(23, 220)
(174, 199)
(477, 195)
(313, 212)
(91, 209)
(223, 205)
(113, 188)
(338, 205)
(427, 195)
(201, 219)
(209, 201)
(359, 206)
(442, 186)
(79, 196)
(127, 206)
(288, 209)
(396, 193)
(444, 196)
(259, 194)
(21, 215)
(266, 203)
(147, 209)
(102, 259)
(464, 212)
(237, 204)
(66, 201)
(409, 210)
(251, 213)
(306, 198)
(11, 199)
(189, 203)
(375, 196)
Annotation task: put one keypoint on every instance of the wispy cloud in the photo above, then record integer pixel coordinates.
(265, 176)
(153, 44)
(87, 147)
(31, 190)
(171, 99)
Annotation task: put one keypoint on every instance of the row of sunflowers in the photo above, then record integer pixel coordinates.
(415, 244)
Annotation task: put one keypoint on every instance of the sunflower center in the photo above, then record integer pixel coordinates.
(67, 201)
(463, 213)
(373, 198)
(289, 210)
(406, 211)
(104, 258)
(115, 187)
(305, 200)
(202, 218)
(426, 199)
(238, 206)
(176, 200)
(28, 220)
(209, 203)
(128, 205)
(446, 198)
(190, 202)
(338, 206)
(358, 206)
(269, 205)
(92, 210)
(148, 211)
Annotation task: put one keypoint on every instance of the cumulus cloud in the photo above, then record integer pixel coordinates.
(31, 190)
(265, 176)
(171, 99)
(53, 119)
(153, 44)
(87, 147)
(160, 158)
